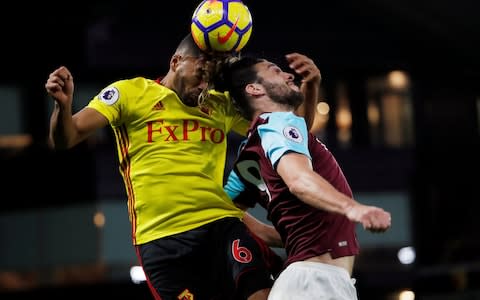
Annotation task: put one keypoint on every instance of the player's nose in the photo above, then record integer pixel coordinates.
(288, 76)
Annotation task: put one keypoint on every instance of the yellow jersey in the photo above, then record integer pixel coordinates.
(171, 156)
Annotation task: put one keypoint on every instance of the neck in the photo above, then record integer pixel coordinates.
(167, 81)
(270, 106)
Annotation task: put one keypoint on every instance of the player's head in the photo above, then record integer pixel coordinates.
(188, 47)
(191, 70)
(188, 73)
(257, 85)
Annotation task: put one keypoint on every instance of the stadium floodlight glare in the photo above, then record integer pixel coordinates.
(137, 274)
(406, 255)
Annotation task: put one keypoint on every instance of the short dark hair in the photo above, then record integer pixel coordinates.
(188, 47)
(234, 77)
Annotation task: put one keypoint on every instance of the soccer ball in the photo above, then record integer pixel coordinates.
(221, 25)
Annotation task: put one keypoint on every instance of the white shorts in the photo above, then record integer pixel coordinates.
(313, 280)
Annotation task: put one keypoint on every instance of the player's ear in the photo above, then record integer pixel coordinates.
(255, 89)
(174, 61)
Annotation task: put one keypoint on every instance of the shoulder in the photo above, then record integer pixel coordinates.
(283, 119)
(286, 124)
(219, 96)
(128, 86)
(136, 82)
(221, 101)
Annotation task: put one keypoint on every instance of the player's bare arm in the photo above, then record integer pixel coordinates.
(310, 86)
(295, 169)
(66, 130)
(266, 232)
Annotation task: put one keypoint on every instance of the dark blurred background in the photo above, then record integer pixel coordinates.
(400, 109)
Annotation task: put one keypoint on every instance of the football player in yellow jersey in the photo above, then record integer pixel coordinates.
(188, 234)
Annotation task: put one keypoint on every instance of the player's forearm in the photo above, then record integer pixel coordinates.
(62, 129)
(311, 92)
(317, 192)
(264, 231)
(272, 237)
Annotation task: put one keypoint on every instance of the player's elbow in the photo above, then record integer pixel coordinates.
(58, 146)
(54, 144)
(60, 143)
(297, 186)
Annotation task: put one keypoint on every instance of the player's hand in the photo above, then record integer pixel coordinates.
(305, 67)
(60, 86)
(372, 218)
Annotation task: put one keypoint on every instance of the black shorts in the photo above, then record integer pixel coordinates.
(220, 260)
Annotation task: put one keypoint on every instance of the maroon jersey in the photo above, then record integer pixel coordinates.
(306, 231)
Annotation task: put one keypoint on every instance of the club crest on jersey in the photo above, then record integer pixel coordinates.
(109, 95)
(293, 134)
(186, 295)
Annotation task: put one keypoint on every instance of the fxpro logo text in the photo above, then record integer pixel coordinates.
(188, 130)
